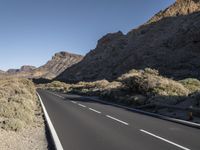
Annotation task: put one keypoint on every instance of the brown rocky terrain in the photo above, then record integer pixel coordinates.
(168, 42)
(59, 62)
(142, 89)
(24, 69)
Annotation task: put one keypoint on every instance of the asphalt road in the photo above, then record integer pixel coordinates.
(83, 124)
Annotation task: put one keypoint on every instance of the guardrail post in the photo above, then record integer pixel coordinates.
(190, 115)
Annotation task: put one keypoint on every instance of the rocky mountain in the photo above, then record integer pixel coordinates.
(24, 69)
(181, 7)
(12, 71)
(59, 62)
(27, 68)
(168, 42)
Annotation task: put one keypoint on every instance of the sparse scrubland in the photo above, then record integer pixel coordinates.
(17, 103)
(20, 115)
(137, 88)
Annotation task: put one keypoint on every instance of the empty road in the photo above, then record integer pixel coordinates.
(83, 124)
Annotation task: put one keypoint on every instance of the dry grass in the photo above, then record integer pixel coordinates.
(149, 82)
(17, 103)
(87, 88)
(55, 86)
(135, 88)
(192, 84)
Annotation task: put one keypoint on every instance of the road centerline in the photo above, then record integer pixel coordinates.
(74, 102)
(82, 105)
(95, 110)
(163, 139)
(113, 118)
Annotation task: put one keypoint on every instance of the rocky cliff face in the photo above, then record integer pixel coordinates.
(169, 42)
(180, 7)
(58, 63)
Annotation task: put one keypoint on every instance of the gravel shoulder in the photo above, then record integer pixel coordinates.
(22, 125)
(30, 138)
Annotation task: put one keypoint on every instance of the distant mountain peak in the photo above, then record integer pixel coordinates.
(62, 54)
(59, 62)
(27, 68)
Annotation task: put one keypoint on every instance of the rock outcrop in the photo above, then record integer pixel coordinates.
(59, 62)
(181, 7)
(168, 42)
(12, 71)
(27, 68)
(24, 69)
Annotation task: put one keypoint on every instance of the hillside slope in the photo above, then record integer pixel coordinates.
(59, 62)
(168, 42)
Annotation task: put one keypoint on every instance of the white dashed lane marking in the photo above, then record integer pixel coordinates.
(125, 123)
(82, 105)
(113, 118)
(170, 142)
(95, 110)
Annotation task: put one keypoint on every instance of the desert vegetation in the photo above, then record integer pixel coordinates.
(18, 103)
(137, 88)
(21, 119)
(132, 86)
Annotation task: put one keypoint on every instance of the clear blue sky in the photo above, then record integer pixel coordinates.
(31, 31)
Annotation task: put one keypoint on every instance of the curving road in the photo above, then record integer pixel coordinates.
(83, 124)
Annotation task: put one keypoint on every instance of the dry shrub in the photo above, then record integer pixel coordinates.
(17, 103)
(12, 124)
(149, 82)
(89, 88)
(137, 87)
(191, 84)
(56, 86)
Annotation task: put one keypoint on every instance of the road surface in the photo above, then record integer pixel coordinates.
(83, 124)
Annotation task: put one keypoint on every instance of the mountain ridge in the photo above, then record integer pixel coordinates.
(59, 62)
(169, 43)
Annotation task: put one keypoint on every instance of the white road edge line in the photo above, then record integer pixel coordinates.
(95, 110)
(56, 140)
(117, 120)
(74, 102)
(170, 142)
(82, 105)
